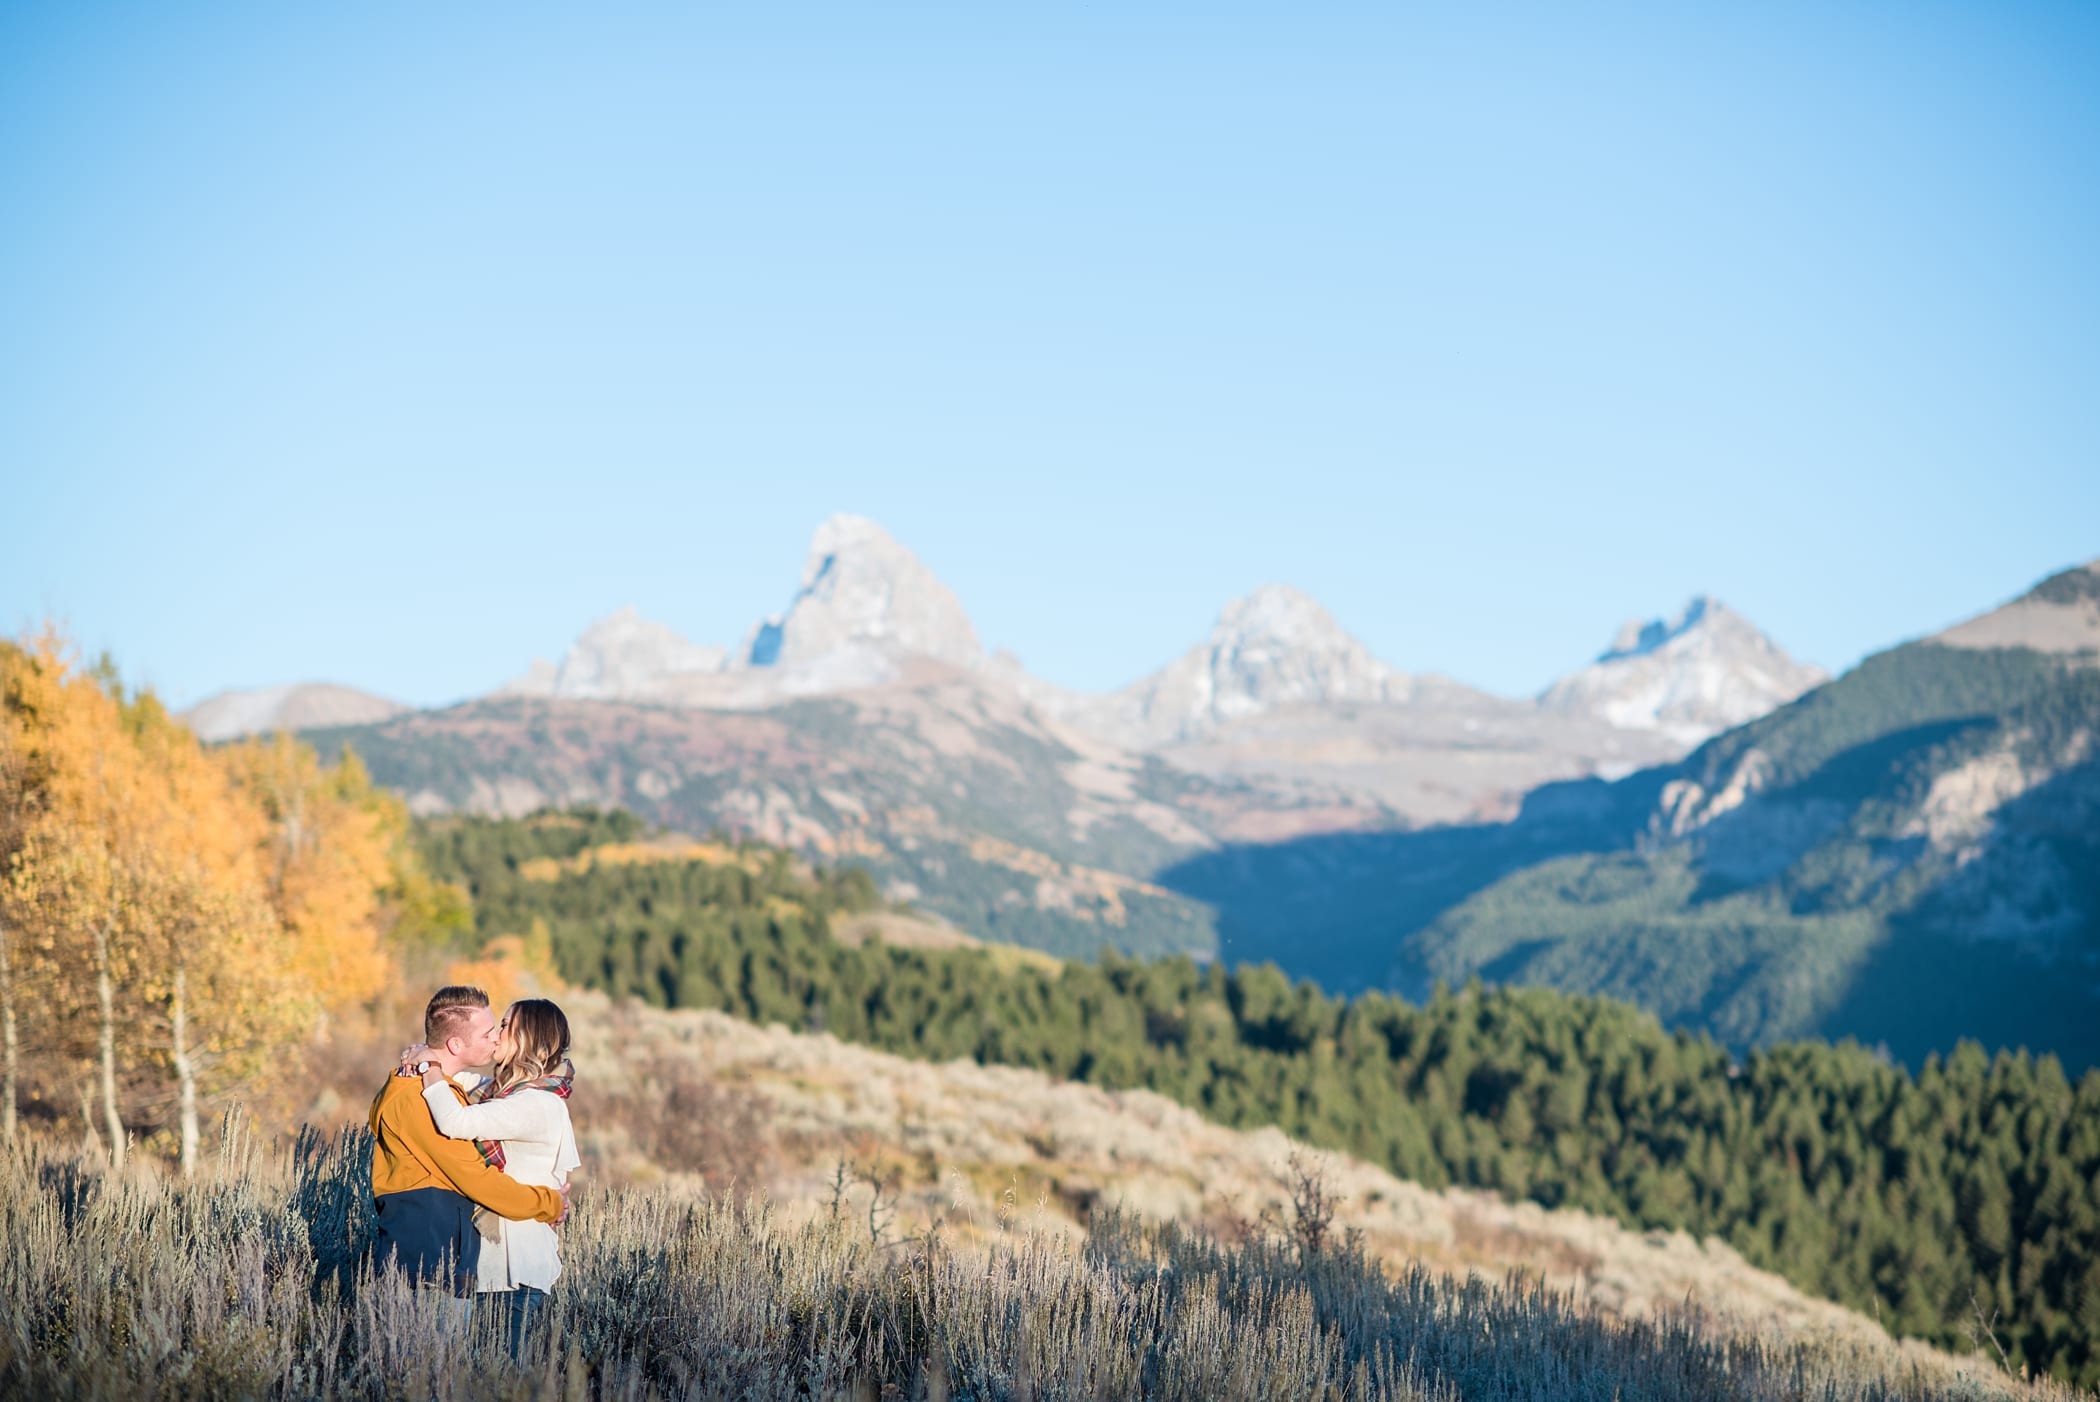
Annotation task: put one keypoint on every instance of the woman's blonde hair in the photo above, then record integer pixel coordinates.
(540, 1032)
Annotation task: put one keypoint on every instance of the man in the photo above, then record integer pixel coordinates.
(426, 1186)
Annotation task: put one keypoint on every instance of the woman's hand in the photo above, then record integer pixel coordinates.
(413, 1060)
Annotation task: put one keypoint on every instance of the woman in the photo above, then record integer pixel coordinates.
(520, 1119)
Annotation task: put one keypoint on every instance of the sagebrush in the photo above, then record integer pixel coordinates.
(254, 1282)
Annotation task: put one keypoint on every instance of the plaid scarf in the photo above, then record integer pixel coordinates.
(560, 1079)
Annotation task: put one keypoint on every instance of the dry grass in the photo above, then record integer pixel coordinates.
(251, 1284)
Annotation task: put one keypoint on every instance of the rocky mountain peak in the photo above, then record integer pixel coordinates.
(1277, 646)
(1280, 613)
(619, 657)
(861, 588)
(1280, 645)
(228, 715)
(1689, 676)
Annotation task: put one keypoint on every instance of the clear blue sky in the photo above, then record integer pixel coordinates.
(390, 344)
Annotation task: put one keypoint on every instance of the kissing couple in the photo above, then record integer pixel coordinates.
(470, 1172)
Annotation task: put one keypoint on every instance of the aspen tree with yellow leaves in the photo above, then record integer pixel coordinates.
(172, 919)
(329, 853)
(219, 975)
(78, 828)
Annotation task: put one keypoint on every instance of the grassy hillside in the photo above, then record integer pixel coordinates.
(981, 1150)
(1905, 1194)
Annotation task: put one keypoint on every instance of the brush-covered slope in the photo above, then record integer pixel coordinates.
(979, 1154)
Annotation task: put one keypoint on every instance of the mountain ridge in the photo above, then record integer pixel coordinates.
(865, 607)
(1275, 693)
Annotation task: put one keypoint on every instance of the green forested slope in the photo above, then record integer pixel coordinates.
(1917, 859)
(1891, 1191)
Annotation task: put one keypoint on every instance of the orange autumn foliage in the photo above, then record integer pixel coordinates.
(132, 882)
(173, 917)
(327, 857)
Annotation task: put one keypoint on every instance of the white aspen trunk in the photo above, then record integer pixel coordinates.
(185, 1074)
(106, 991)
(7, 1041)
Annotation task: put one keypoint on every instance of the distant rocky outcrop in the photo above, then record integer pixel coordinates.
(621, 657)
(228, 715)
(1274, 648)
(1689, 677)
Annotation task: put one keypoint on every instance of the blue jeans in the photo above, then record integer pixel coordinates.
(520, 1307)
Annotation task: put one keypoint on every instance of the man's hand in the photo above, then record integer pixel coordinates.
(564, 1206)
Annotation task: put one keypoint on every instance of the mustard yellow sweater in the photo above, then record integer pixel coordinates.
(408, 1153)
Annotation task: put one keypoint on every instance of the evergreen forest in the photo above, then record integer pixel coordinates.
(1962, 1196)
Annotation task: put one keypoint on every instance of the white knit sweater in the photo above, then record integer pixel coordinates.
(539, 1147)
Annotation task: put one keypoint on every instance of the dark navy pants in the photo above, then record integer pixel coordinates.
(429, 1233)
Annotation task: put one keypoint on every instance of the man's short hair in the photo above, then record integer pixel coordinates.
(449, 1010)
